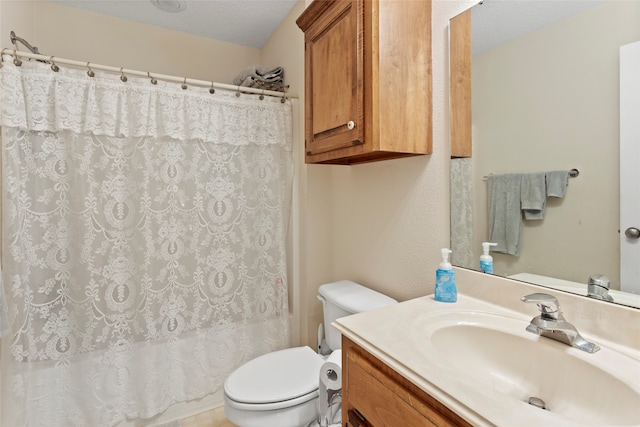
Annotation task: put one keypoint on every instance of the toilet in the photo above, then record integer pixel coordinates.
(280, 389)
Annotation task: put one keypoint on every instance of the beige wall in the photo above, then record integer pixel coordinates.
(544, 105)
(391, 218)
(16, 16)
(380, 224)
(77, 34)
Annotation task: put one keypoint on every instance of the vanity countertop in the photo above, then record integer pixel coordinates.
(396, 336)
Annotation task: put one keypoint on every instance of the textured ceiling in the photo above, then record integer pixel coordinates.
(495, 22)
(244, 22)
(251, 22)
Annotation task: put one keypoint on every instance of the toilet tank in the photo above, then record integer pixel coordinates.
(343, 298)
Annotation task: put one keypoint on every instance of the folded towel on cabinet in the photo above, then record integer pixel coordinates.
(259, 76)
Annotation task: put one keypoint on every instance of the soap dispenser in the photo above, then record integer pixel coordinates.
(445, 280)
(486, 260)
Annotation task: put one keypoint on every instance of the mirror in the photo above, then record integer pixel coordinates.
(545, 97)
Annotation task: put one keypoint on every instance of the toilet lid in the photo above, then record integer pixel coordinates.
(275, 377)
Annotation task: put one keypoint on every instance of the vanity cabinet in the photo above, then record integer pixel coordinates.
(375, 395)
(368, 92)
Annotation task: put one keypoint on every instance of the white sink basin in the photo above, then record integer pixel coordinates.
(500, 357)
(478, 359)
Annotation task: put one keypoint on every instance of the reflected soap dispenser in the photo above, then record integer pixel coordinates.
(486, 260)
(445, 280)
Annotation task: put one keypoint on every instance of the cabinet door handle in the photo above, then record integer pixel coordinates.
(351, 124)
(356, 419)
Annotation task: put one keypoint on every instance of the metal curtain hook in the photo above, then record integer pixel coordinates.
(184, 84)
(16, 61)
(262, 95)
(122, 76)
(238, 91)
(90, 72)
(211, 89)
(54, 67)
(153, 80)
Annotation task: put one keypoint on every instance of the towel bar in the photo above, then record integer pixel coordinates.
(572, 174)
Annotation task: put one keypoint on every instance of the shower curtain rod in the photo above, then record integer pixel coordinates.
(126, 71)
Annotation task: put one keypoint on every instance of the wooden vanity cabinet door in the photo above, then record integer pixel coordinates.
(334, 55)
(375, 395)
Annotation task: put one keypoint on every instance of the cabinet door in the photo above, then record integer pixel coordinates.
(379, 400)
(374, 395)
(334, 56)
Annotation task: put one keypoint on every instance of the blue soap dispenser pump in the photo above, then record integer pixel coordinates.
(445, 280)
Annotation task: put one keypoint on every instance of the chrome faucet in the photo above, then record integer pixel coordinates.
(598, 287)
(552, 324)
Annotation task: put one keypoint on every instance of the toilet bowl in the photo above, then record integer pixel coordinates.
(275, 389)
(280, 389)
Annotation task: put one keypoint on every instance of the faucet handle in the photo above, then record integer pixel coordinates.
(599, 280)
(598, 287)
(547, 304)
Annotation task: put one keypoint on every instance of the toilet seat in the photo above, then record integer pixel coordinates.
(275, 380)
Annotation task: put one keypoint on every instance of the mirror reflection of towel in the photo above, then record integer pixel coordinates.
(534, 195)
(511, 194)
(504, 212)
(557, 182)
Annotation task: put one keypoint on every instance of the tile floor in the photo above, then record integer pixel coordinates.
(213, 418)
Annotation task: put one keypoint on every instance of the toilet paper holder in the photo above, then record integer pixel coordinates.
(330, 390)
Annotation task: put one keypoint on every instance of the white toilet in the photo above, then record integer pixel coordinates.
(280, 389)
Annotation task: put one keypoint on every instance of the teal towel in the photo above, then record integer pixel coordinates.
(533, 196)
(505, 218)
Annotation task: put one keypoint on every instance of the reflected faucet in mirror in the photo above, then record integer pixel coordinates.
(532, 107)
(598, 287)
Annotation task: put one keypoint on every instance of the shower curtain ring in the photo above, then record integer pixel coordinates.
(211, 89)
(122, 76)
(16, 61)
(184, 84)
(154, 81)
(262, 95)
(238, 92)
(90, 72)
(54, 67)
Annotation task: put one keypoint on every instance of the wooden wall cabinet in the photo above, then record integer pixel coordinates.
(374, 395)
(368, 93)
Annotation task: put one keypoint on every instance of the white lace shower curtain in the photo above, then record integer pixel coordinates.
(143, 245)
